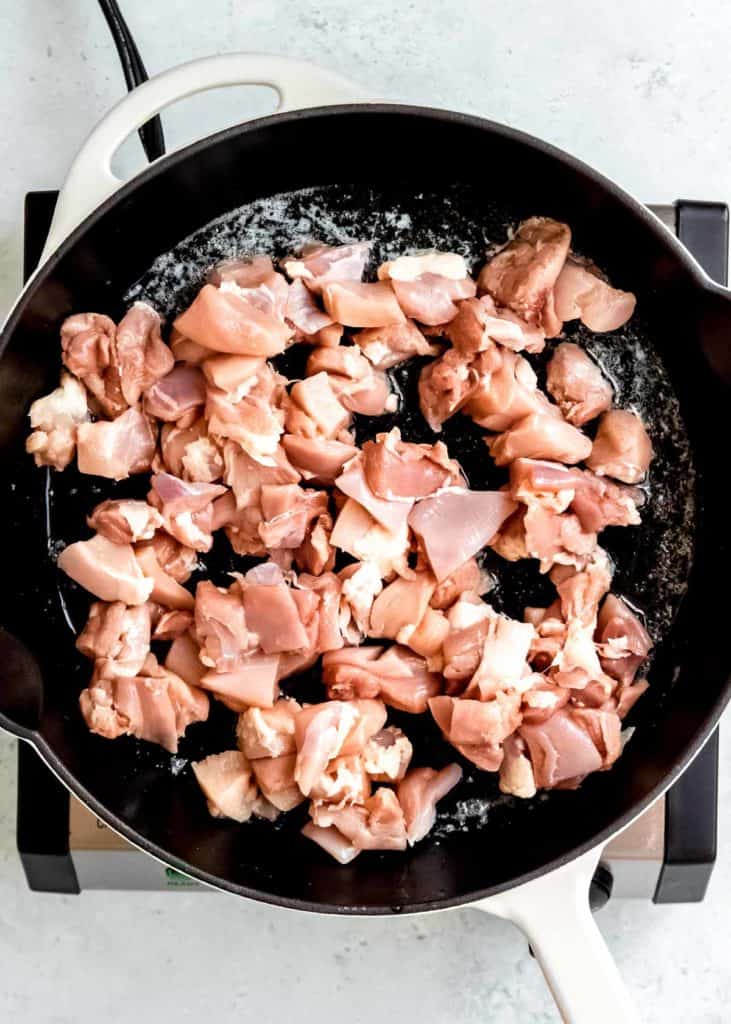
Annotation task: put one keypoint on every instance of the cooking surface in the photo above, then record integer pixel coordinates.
(332, 963)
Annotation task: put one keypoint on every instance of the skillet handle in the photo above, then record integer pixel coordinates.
(90, 180)
(553, 912)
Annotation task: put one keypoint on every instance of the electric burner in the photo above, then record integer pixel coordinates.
(667, 855)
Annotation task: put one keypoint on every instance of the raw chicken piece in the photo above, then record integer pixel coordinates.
(378, 825)
(320, 264)
(580, 594)
(360, 585)
(478, 323)
(507, 391)
(255, 421)
(392, 515)
(388, 346)
(316, 554)
(109, 571)
(577, 384)
(320, 734)
(272, 614)
(172, 624)
(362, 305)
(428, 638)
(186, 351)
(183, 660)
(155, 705)
(275, 777)
(432, 299)
(230, 319)
(581, 294)
(468, 577)
(328, 589)
(177, 393)
(462, 647)
(268, 732)
(556, 538)
(621, 447)
(88, 343)
(246, 273)
(560, 749)
(55, 419)
(303, 311)
(477, 728)
(445, 385)
(289, 511)
(397, 470)
(623, 641)
(449, 265)
(516, 771)
(504, 657)
(419, 794)
(387, 755)
(344, 782)
(228, 784)
(140, 354)
(455, 525)
(118, 448)
(332, 841)
(117, 634)
(398, 676)
(316, 458)
(522, 275)
(166, 590)
(232, 374)
(540, 436)
(509, 542)
(356, 384)
(315, 410)
(125, 521)
(246, 476)
(186, 509)
(220, 627)
(401, 606)
(252, 683)
(174, 443)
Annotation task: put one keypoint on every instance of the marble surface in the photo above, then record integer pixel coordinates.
(639, 90)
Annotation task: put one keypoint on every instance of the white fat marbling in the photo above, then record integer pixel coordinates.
(638, 89)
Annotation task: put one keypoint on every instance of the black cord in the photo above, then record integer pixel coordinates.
(135, 73)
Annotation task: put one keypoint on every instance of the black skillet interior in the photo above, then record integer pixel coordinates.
(403, 164)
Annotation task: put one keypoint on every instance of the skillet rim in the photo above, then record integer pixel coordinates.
(669, 241)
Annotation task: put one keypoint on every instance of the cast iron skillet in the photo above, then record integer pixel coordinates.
(400, 153)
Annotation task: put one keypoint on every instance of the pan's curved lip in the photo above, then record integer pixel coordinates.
(661, 232)
(649, 219)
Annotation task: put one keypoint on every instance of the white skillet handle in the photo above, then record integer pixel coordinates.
(90, 179)
(553, 912)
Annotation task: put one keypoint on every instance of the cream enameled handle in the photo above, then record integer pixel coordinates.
(553, 911)
(90, 180)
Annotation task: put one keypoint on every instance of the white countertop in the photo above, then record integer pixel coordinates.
(641, 91)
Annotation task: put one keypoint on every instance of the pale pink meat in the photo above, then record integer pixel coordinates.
(432, 299)
(316, 458)
(583, 295)
(623, 641)
(230, 319)
(343, 782)
(400, 607)
(186, 509)
(315, 410)
(477, 728)
(320, 264)
(522, 275)
(142, 357)
(272, 614)
(117, 448)
(577, 384)
(445, 385)
(107, 570)
(516, 771)
(503, 663)
(392, 515)
(275, 778)
(621, 449)
(228, 784)
(316, 555)
(252, 683)
(377, 825)
(220, 627)
(186, 351)
(398, 676)
(332, 842)
(268, 732)
(246, 273)
(540, 436)
(560, 750)
(117, 634)
(396, 469)
(468, 577)
(353, 379)
(288, 513)
(456, 525)
(387, 755)
(328, 588)
(176, 394)
(255, 421)
(420, 792)
(246, 476)
(55, 419)
(506, 391)
(166, 590)
(362, 305)
(172, 624)
(183, 660)
(478, 323)
(235, 375)
(320, 734)
(302, 310)
(125, 521)
(556, 538)
(388, 346)
(88, 343)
